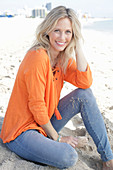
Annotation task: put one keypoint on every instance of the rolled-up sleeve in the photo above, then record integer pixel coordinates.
(78, 78)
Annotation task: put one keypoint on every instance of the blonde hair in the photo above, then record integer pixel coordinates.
(48, 24)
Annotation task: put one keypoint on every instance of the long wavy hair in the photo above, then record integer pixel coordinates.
(48, 24)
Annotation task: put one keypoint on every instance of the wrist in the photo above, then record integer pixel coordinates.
(59, 138)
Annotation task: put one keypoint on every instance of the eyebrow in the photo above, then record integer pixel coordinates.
(60, 28)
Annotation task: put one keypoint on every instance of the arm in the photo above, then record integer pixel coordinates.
(78, 73)
(51, 132)
(80, 58)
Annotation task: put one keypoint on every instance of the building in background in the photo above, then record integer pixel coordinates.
(26, 12)
(42, 11)
(39, 12)
(49, 6)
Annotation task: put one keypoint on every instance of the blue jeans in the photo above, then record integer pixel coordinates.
(33, 146)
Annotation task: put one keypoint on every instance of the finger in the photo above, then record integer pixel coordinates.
(73, 145)
(74, 142)
(82, 141)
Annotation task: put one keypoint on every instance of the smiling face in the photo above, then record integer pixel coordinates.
(60, 36)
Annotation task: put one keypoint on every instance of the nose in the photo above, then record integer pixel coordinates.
(62, 36)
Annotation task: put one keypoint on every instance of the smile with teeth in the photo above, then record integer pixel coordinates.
(60, 43)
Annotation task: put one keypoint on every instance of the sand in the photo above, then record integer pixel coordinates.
(16, 37)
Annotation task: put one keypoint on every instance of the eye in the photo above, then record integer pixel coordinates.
(56, 30)
(68, 32)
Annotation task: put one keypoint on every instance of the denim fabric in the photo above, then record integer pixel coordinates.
(33, 146)
(83, 101)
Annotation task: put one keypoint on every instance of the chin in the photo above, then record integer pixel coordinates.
(60, 49)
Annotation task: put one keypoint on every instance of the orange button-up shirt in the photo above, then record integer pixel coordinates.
(36, 93)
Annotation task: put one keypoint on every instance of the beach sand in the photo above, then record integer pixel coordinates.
(16, 37)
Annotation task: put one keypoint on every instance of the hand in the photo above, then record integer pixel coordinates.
(70, 140)
(79, 46)
(80, 57)
(75, 142)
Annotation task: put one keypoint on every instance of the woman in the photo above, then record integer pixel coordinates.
(35, 113)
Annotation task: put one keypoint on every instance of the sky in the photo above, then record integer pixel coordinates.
(96, 8)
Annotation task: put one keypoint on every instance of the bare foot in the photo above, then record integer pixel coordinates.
(108, 165)
(82, 141)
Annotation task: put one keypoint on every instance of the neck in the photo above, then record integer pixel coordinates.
(54, 54)
(53, 57)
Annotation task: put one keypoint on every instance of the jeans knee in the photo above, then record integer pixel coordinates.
(69, 158)
(85, 94)
(73, 158)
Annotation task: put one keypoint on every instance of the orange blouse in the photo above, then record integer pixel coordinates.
(36, 93)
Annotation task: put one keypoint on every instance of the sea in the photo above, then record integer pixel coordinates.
(105, 25)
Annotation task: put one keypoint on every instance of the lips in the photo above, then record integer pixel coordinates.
(60, 43)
